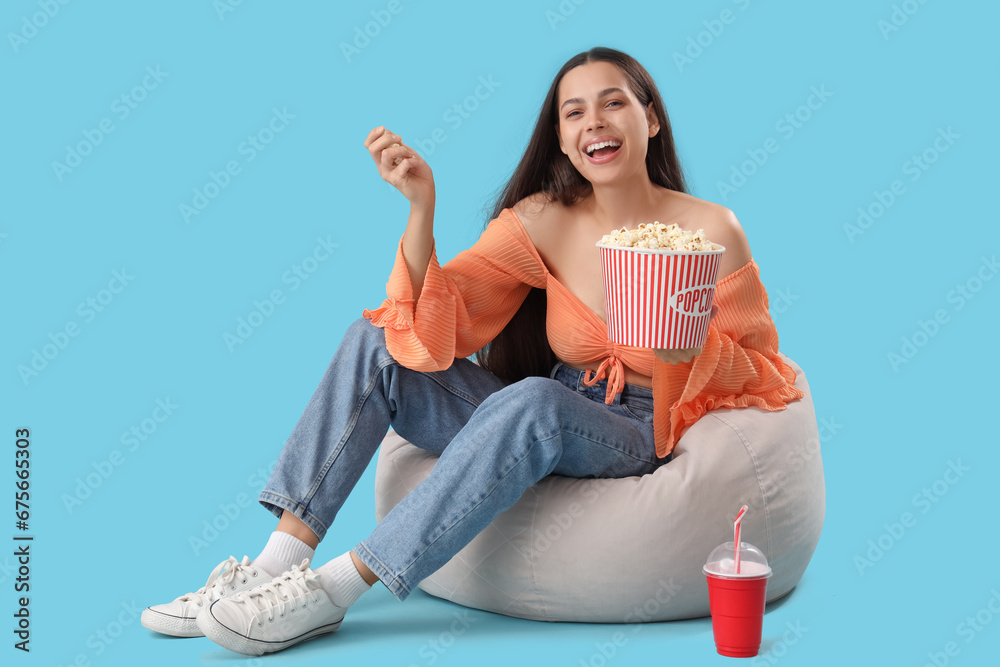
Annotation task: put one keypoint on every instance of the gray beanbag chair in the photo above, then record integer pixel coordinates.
(631, 549)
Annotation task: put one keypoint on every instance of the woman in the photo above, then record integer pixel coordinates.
(551, 395)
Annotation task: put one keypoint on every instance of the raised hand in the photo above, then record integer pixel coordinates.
(401, 166)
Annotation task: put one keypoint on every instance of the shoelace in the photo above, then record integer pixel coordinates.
(221, 576)
(282, 592)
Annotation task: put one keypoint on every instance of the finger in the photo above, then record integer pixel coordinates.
(397, 174)
(393, 155)
(384, 141)
(400, 151)
(404, 150)
(380, 146)
(407, 156)
(376, 143)
(408, 148)
(374, 134)
(403, 169)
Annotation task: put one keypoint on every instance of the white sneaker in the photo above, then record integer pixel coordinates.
(178, 618)
(290, 609)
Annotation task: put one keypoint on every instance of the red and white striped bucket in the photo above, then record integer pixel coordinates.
(660, 299)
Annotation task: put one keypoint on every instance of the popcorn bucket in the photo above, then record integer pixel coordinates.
(659, 299)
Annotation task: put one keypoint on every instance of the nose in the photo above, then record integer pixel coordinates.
(596, 120)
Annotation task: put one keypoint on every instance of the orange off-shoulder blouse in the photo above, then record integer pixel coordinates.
(464, 304)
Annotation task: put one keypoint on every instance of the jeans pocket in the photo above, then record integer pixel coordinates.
(638, 412)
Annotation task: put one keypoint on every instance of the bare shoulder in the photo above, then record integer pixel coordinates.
(721, 226)
(693, 210)
(534, 207)
(538, 214)
(727, 231)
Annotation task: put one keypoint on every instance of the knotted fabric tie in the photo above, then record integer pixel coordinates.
(616, 377)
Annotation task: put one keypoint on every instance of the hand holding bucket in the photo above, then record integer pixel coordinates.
(685, 355)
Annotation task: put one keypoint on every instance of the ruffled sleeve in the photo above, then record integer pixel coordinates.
(738, 366)
(462, 305)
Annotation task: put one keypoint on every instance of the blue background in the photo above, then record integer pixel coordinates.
(849, 300)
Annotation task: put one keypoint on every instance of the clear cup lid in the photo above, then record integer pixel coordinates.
(722, 562)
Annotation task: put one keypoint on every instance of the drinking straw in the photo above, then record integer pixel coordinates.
(736, 535)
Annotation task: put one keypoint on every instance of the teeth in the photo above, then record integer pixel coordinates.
(593, 147)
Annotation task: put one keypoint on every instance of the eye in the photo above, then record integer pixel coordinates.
(570, 114)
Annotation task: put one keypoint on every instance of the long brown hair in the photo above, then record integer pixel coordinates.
(522, 348)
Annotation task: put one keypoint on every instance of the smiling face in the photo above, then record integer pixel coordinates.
(596, 107)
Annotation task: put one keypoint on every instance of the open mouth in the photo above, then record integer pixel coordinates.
(606, 151)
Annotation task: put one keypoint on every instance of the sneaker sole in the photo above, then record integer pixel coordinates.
(165, 624)
(234, 641)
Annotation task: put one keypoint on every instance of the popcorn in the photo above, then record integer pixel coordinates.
(661, 237)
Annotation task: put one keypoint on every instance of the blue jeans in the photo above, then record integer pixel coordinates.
(493, 441)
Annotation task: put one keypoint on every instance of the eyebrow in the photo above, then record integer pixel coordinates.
(606, 91)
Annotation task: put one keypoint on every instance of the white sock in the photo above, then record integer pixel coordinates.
(281, 552)
(342, 581)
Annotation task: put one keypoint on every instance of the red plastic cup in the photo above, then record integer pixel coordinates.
(660, 299)
(737, 599)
